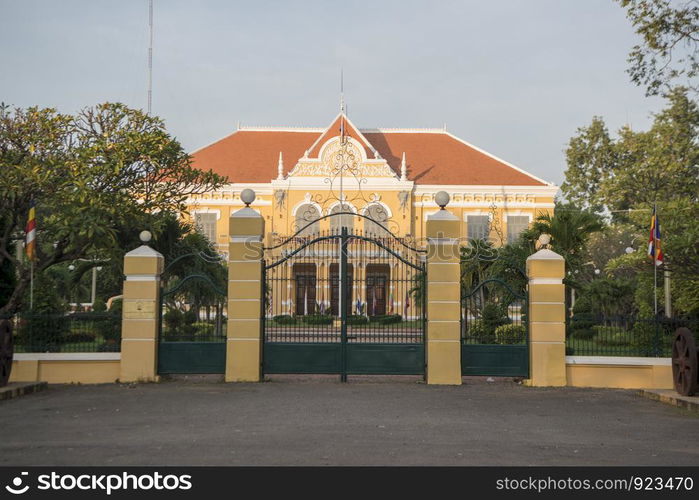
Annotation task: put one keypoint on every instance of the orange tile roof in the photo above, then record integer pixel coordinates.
(434, 157)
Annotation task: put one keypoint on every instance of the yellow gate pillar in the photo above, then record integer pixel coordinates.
(245, 252)
(139, 326)
(443, 296)
(547, 358)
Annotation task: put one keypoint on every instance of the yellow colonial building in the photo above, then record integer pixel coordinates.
(390, 175)
(384, 180)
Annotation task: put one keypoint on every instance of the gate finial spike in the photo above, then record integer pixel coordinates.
(280, 168)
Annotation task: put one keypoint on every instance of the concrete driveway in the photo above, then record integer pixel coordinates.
(308, 421)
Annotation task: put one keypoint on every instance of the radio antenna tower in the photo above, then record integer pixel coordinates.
(150, 56)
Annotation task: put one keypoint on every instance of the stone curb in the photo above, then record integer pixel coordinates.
(672, 398)
(18, 389)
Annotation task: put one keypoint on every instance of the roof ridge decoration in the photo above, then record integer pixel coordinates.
(348, 127)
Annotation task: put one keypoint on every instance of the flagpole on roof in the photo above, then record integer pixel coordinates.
(341, 278)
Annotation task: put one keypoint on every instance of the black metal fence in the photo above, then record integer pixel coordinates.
(78, 332)
(591, 335)
(181, 324)
(493, 313)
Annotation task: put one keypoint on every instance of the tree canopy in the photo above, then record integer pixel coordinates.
(90, 175)
(638, 168)
(667, 54)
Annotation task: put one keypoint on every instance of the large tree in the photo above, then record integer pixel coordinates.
(658, 164)
(89, 175)
(591, 157)
(667, 54)
(640, 167)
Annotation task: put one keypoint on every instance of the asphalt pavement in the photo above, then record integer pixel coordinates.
(318, 421)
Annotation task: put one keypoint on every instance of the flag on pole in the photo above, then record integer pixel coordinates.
(655, 251)
(30, 243)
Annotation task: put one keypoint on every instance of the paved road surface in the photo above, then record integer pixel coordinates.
(308, 421)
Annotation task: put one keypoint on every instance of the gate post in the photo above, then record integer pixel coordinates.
(547, 358)
(245, 287)
(443, 296)
(139, 326)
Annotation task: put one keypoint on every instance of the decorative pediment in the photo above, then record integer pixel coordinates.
(349, 157)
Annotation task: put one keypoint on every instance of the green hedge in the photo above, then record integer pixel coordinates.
(318, 319)
(581, 327)
(204, 329)
(616, 338)
(284, 319)
(387, 319)
(510, 334)
(79, 338)
(478, 332)
(584, 334)
(356, 319)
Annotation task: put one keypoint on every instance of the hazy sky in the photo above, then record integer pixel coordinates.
(515, 78)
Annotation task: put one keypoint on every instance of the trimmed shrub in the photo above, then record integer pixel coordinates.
(99, 305)
(643, 338)
(478, 332)
(80, 337)
(584, 334)
(580, 326)
(39, 332)
(510, 334)
(356, 319)
(494, 316)
(176, 325)
(284, 319)
(318, 319)
(616, 339)
(190, 317)
(390, 319)
(203, 329)
(606, 331)
(116, 306)
(107, 325)
(174, 319)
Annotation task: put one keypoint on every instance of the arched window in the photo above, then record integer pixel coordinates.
(379, 217)
(307, 215)
(340, 221)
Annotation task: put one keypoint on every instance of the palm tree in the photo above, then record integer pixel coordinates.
(570, 229)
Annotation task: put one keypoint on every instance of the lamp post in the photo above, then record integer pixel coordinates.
(71, 268)
(93, 295)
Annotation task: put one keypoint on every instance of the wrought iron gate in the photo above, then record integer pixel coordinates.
(343, 303)
(192, 321)
(494, 330)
